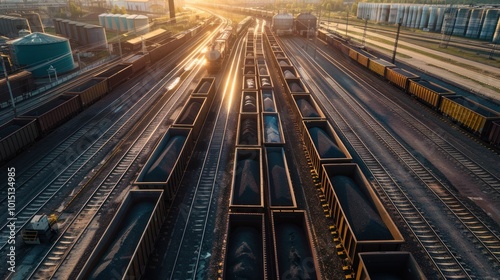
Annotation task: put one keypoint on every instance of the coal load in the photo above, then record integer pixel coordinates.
(294, 255)
(362, 215)
(247, 181)
(204, 87)
(278, 183)
(250, 83)
(119, 252)
(190, 113)
(248, 134)
(244, 254)
(164, 164)
(288, 74)
(295, 87)
(265, 82)
(324, 144)
(263, 71)
(271, 130)
(284, 63)
(306, 109)
(249, 103)
(249, 72)
(8, 130)
(268, 102)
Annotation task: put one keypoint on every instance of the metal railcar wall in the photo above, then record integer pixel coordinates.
(352, 244)
(137, 261)
(469, 114)
(428, 92)
(55, 112)
(90, 91)
(173, 179)
(394, 265)
(316, 159)
(16, 135)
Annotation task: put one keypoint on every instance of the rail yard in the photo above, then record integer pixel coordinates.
(251, 150)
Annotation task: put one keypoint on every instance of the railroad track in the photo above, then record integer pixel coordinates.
(24, 106)
(92, 132)
(483, 233)
(448, 265)
(40, 176)
(117, 129)
(190, 259)
(140, 137)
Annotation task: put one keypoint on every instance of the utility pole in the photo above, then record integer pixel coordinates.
(364, 31)
(347, 20)
(396, 42)
(8, 86)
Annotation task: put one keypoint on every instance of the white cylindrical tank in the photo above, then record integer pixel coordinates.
(475, 21)
(393, 14)
(130, 22)
(489, 25)
(406, 15)
(424, 19)
(496, 35)
(433, 18)
(141, 24)
(384, 13)
(440, 20)
(419, 16)
(102, 19)
(461, 21)
(123, 23)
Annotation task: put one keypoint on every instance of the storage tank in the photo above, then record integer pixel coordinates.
(141, 24)
(115, 22)
(38, 51)
(306, 21)
(414, 14)
(57, 25)
(419, 17)
(489, 24)
(123, 23)
(282, 23)
(424, 18)
(96, 36)
(433, 18)
(393, 14)
(496, 35)
(130, 22)
(109, 22)
(461, 21)
(384, 13)
(475, 22)
(406, 15)
(441, 14)
(65, 28)
(73, 30)
(102, 19)
(82, 35)
(35, 22)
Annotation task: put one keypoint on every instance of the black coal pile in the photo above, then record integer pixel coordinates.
(324, 144)
(244, 254)
(163, 165)
(189, 114)
(306, 109)
(279, 188)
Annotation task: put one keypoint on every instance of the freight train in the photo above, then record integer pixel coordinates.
(166, 165)
(366, 228)
(17, 134)
(474, 117)
(221, 46)
(20, 83)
